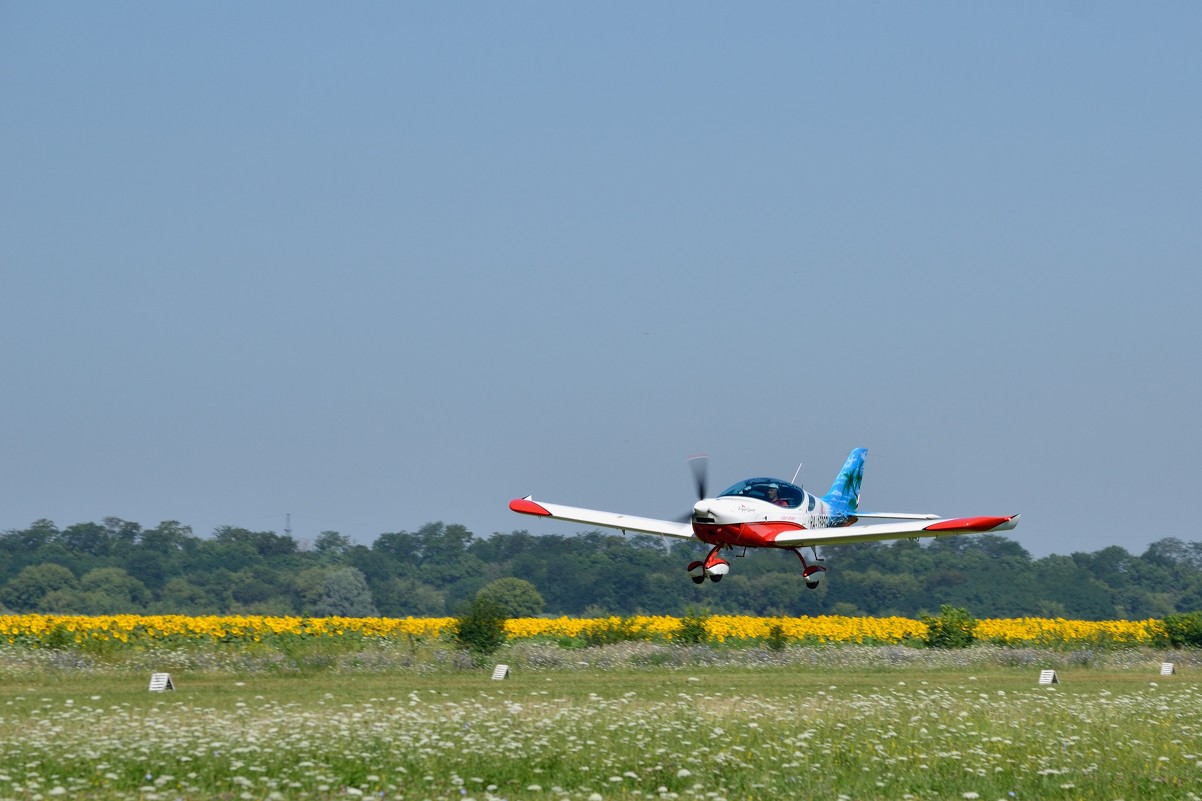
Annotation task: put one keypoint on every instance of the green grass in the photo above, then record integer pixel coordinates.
(699, 733)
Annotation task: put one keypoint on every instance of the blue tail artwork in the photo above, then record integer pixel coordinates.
(844, 496)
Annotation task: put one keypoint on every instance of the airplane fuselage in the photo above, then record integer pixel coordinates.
(754, 523)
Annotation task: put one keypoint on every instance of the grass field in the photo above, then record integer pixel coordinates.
(696, 732)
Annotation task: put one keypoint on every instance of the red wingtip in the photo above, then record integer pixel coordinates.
(968, 524)
(528, 507)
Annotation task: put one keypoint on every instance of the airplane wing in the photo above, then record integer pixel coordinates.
(592, 517)
(909, 529)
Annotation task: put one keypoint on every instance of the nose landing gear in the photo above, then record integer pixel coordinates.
(714, 566)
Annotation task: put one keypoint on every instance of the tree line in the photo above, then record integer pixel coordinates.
(118, 566)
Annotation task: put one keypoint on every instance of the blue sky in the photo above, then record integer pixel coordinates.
(384, 264)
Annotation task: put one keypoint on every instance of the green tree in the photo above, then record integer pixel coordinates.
(516, 596)
(398, 597)
(182, 597)
(250, 589)
(345, 593)
(1077, 592)
(332, 547)
(400, 545)
(264, 543)
(766, 594)
(1171, 552)
(66, 602)
(158, 553)
(36, 536)
(215, 583)
(33, 583)
(308, 588)
(122, 533)
(88, 538)
(169, 536)
(110, 590)
(444, 556)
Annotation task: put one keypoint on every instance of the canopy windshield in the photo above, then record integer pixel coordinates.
(772, 490)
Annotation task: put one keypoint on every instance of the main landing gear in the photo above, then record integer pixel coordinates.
(715, 567)
(812, 574)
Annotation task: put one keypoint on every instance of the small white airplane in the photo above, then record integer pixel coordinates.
(771, 513)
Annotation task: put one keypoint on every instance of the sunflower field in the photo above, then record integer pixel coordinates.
(64, 631)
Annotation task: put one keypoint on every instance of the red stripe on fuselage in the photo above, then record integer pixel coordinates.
(743, 535)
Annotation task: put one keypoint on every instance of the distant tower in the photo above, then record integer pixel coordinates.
(287, 524)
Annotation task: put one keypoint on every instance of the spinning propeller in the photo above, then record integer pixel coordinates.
(700, 467)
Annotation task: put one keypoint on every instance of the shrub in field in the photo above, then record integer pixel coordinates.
(1184, 629)
(482, 628)
(954, 628)
(776, 639)
(693, 630)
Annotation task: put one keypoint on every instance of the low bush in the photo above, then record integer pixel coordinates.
(776, 639)
(1184, 630)
(954, 628)
(693, 629)
(482, 628)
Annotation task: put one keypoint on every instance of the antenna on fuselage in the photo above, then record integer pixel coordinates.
(795, 475)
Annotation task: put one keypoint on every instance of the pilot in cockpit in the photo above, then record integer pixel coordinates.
(772, 497)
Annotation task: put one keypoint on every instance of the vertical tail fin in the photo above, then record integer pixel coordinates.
(844, 496)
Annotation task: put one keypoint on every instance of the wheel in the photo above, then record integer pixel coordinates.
(698, 579)
(813, 585)
(716, 578)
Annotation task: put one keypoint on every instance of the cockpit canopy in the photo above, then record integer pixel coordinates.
(787, 494)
